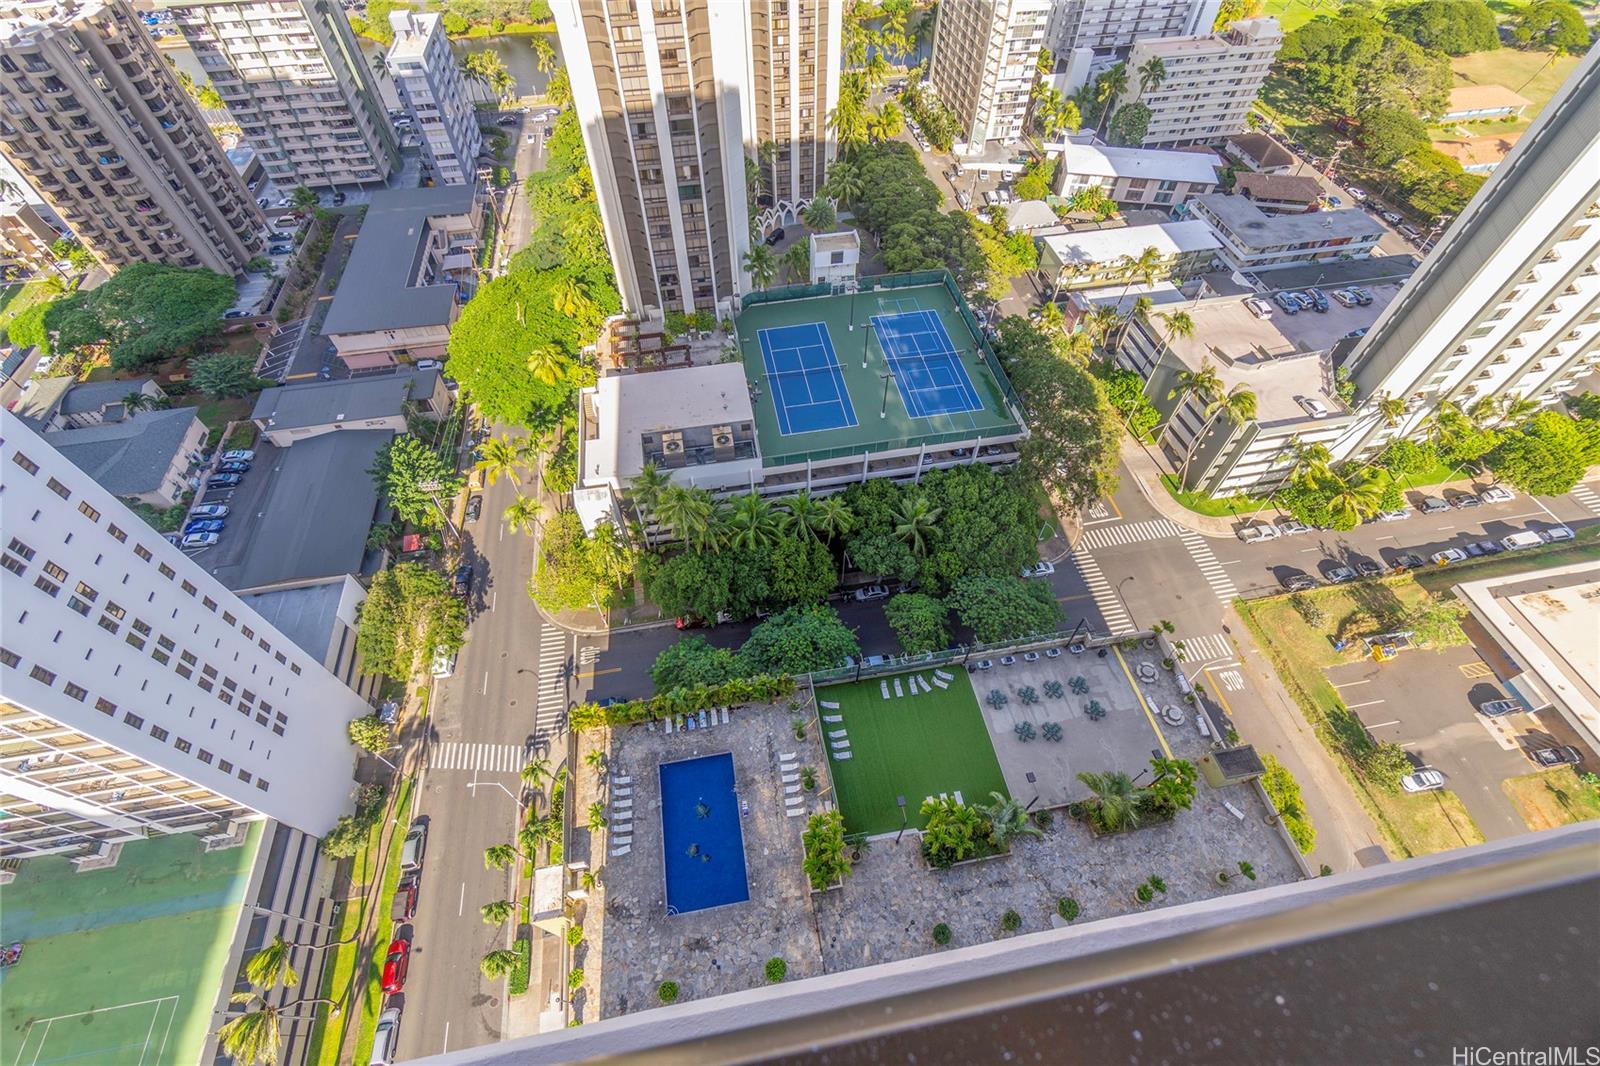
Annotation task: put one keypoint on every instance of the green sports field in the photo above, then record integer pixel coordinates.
(122, 966)
(912, 745)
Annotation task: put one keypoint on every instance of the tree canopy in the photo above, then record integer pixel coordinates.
(918, 621)
(146, 312)
(577, 570)
(694, 661)
(798, 641)
(224, 375)
(1352, 63)
(901, 206)
(409, 613)
(1454, 27)
(1551, 24)
(403, 468)
(1129, 124)
(1389, 133)
(1003, 608)
(1548, 455)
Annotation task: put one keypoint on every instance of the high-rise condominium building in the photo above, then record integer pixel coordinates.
(1106, 26)
(985, 59)
(93, 118)
(137, 694)
(435, 95)
(1508, 302)
(295, 81)
(1210, 82)
(674, 96)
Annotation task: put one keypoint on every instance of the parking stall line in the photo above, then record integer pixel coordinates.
(1381, 725)
(1369, 703)
(1352, 684)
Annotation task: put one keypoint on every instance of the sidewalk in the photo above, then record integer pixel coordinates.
(1145, 472)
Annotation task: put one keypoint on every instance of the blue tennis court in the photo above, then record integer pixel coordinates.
(926, 368)
(805, 378)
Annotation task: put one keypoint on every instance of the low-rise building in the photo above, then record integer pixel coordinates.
(25, 238)
(835, 257)
(1210, 85)
(413, 265)
(297, 412)
(1029, 216)
(1260, 153)
(49, 404)
(1286, 360)
(1471, 103)
(1136, 177)
(1250, 239)
(145, 457)
(1478, 155)
(1280, 194)
(1089, 258)
(322, 619)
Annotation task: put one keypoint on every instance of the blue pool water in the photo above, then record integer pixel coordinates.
(701, 834)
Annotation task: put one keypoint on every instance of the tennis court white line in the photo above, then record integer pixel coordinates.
(782, 406)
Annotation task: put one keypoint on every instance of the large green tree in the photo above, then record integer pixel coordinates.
(146, 312)
(224, 375)
(577, 570)
(694, 661)
(401, 472)
(1549, 455)
(1003, 608)
(408, 614)
(1130, 124)
(918, 621)
(1454, 27)
(798, 641)
(1550, 24)
(1389, 133)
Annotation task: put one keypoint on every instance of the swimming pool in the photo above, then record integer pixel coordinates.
(701, 836)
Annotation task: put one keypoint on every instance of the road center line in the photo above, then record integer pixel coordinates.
(1369, 703)
(461, 903)
(446, 1039)
(1304, 550)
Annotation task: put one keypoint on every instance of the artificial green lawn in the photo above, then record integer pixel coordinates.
(133, 954)
(915, 746)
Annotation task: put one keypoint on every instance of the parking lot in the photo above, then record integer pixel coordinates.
(1426, 701)
(243, 501)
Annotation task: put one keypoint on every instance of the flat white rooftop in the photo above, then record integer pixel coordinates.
(627, 406)
(1103, 161)
(1107, 245)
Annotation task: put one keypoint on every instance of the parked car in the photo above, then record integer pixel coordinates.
(1368, 568)
(1344, 296)
(1396, 515)
(1555, 533)
(395, 965)
(1258, 307)
(1255, 534)
(1291, 527)
(1319, 302)
(688, 621)
(1499, 708)
(205, 525)
(1496, 494)
(1448, 556)
(1490, 547)
(233, 468)
(1340, 574)
(261, 202)
(1475, 550)
(1409, 561)
(236, 313)
(463, 579)
(1288, 302)
(338, 199)
(1464, 499)
(429, 364)
(1564, 755)
(1040, 569)
(414, 846)
(386, 1038)
(1433, 505)
(239, 455)
(198, 540)
(1363, 296)
(870, 593)
(1358, 194)
(775, 236)
(404, 907)
(444, 663)
(1391, 217)
(474, 507)
(1423, 781)
(223, 481)
(1298, 582)
(210, 510)
(1517, 541)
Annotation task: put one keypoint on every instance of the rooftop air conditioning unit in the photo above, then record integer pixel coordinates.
(672, 443)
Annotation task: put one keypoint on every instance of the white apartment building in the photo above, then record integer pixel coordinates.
(295, 81)
(1211, 81)
(1108, 26)
(434, 93)
(137, 694)
(985, 59)
(1253, 240)
(1136, 177)
(673, 97)
(1508, 302)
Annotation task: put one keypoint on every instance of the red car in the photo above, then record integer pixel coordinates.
(404, 907)
(396, 965)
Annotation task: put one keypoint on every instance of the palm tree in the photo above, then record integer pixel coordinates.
(1007, 819)
(1391, 409)
(915, 520)
(849, 118)
(501, 455)
(523, 514)
(886, 122)
(1310, 462)
(1152, 74)
(1202, 384)
(1238, 403)
(844, 182)
(138, 400)
(548, 363)
(762, 265)
(1140, 309)
(544, 54)
(496, 964)
(1355, 497)
(834, 517)
(533, 772)
(496, 912)
(753, 523)
(1514, 408)
(499, 856)
(1116, 800)
(256, 1035)
(269, 967)
(1178, 324)
(797, 261)
(572, 299)
(1142, 268)
(803, 513)
(489, 70)
(682, 511)
(1110, 85)
(1098, 323)
(645, 490)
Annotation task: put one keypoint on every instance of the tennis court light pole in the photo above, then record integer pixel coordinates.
(884, 412)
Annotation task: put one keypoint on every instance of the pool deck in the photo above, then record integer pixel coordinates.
(884, 422)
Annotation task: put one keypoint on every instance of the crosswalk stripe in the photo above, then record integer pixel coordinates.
(1210, 569)
(1105, 598)
(1110, 536)
(479, 756)
(1587, 496)
(1206, 648)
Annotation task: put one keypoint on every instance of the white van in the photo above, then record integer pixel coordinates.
(444, 663)
(1526, 539)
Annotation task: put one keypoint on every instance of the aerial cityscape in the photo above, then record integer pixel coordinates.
(1031, 529)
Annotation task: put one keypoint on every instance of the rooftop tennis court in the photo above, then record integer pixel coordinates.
(937, 388)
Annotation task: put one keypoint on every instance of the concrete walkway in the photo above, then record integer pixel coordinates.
(1141, 466)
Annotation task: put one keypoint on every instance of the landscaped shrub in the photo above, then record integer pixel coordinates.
(1024, 731)
(1248, 870)
(668, 991)
(574, 935)
(776, 970)
(1043, 819)
(941, 934)
(825, 861)
(1010, 921)
(953, 831)
(1067, 907)
(575, 979)
(517, 978)
(1284, 792)
(762, 688)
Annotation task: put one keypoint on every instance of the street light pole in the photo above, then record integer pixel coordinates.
(884, 413)
(1124, 599)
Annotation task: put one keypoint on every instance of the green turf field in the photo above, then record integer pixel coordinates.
(915, 746)
(122, 966)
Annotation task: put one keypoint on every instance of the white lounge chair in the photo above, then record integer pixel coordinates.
(941, 673)
(958, 797)
(829, 704)
(622, 805)
(883, 687)
(790, 779)
(941, 682)
(898, 693)
(837, 733)
(832, 718)
(797, 812)
(841, 755)
(702, 719)
(787, 756)
(617, 853)
(724, 716)
(622, 841)
(792, 790)
(622, 779)
(666, 726)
